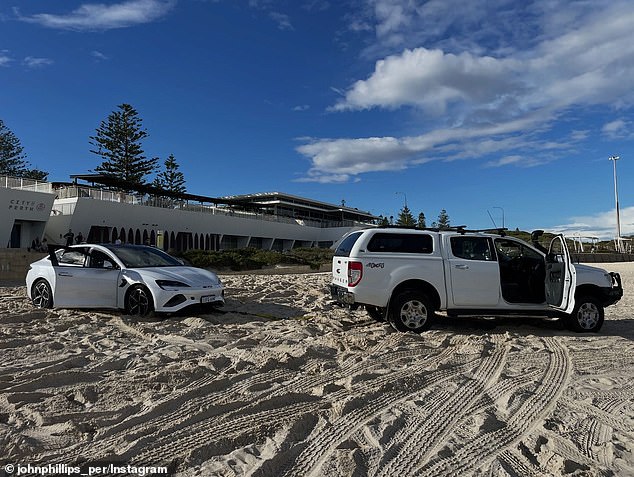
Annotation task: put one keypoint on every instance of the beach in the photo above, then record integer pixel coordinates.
(283, 382)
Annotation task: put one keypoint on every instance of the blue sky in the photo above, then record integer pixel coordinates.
(479, 107)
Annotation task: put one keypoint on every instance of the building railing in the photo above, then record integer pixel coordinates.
(78, 191)
(10, 182)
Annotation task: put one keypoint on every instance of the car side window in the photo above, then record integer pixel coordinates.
(472, 248)
(72, 258)
(99, 259)
(401, 243)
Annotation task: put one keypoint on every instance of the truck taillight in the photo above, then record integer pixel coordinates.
(355, 273)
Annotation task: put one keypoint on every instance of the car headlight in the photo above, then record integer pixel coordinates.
(171, 284)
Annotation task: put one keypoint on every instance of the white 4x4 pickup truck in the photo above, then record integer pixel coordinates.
(406, 275)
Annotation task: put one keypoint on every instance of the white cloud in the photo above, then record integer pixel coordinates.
(99, 16)
(601, 225)
(5, 59)
(618, 128)
(497, 97)
(283, 21)
(301, 107)
(98, 55)
(32, 62)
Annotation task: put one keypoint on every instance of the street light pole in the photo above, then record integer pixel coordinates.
(616, 199)
(503, 226)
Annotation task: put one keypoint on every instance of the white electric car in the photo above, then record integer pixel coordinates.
(135, 278)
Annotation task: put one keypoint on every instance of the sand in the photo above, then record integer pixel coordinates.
(285, 383)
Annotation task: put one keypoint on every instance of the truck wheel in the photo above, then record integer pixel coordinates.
(411, 311)
(376, 313)
(586, 316)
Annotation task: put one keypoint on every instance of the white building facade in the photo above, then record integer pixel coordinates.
(271, 221)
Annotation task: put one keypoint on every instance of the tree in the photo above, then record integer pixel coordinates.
(405, 218)
(443, 220)
(171, 179)
(12, 159)
(421, 221)
(384, 222)
(35, 174)
(118, 142)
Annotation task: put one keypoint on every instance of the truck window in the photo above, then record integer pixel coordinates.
(401, 243)
(471, 248)
(344, 248)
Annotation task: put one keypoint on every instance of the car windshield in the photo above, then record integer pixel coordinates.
(142, 257)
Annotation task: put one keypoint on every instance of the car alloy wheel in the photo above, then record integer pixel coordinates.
(411, 311)
(138, 301)
(587, 316)
(41, 295)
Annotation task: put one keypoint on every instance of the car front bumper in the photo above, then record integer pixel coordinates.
(172, 300)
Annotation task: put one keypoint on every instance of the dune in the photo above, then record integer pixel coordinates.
(283, 382)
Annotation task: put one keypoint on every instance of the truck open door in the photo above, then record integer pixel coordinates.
(561, 276)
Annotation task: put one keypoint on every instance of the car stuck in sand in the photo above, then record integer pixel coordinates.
(405, 275)
(135, 278)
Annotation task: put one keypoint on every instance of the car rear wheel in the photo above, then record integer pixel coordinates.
(587, 315)
(411, 311)
(138, 301)
(41, 294)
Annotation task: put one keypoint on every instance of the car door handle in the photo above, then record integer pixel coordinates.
(65, 274)
(462, 267)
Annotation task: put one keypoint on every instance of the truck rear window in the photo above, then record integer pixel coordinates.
(344, 248)
(401, 243)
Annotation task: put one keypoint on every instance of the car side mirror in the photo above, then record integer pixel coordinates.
(108, 265)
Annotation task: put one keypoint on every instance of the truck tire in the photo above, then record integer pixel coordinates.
(411, 311)
(587, 315)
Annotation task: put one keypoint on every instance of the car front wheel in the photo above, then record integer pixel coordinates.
(587, 315)
(41, 294)
(411, 311)
(138, 301)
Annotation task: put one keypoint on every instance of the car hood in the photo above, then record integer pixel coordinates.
(195, 277)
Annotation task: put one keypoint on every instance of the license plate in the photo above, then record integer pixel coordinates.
(207, 299)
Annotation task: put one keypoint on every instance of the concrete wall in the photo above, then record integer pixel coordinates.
(14, 263)
(29, 209)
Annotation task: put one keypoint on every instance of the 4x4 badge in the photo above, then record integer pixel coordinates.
(376, 265)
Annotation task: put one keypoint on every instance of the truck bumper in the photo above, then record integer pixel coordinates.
(341, 295)
(613, 294)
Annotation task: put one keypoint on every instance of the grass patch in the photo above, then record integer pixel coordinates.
(255, 259)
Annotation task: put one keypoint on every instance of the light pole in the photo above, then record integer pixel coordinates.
(405, 196)
(616, 199)
(502, 214)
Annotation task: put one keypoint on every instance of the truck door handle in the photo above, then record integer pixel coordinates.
(462, 267)
(65, 274)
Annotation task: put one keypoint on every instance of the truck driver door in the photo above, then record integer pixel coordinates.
(561, 276)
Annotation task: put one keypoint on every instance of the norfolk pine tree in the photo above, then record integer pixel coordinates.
(422, 223)
(405, 218)
(12, 159)
(118, 142)
(171, 179)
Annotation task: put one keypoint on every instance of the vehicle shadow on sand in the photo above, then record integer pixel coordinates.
(534, 326)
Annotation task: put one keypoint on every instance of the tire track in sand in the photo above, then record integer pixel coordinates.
(488, 445)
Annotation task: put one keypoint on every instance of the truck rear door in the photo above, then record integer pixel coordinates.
(474, 275)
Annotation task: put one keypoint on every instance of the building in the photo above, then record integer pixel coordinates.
(25, 208)
(96, 206)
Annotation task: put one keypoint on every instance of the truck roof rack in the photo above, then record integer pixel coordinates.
(461, 229)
